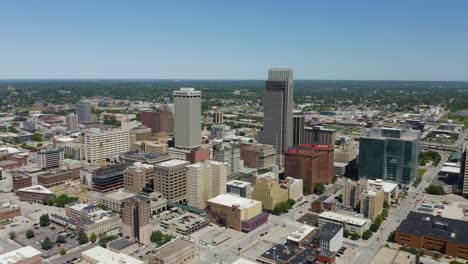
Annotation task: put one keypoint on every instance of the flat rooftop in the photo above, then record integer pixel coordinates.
(19, 255)
(344, 218)
(229, 200)
(173, 247)
(172, 163)
(237, 183)
(105, 256)
(119, 195)
(387, 186)
(36, 189)
(301, 233)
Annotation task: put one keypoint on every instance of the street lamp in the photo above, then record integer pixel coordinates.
(274, 254)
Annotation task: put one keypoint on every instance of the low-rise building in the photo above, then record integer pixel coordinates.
(351, 223)
(324, 203)
(92, 219)
(296, 238)
(178, 251)
(241, 188)
(59, 177)
(100, 255)
(8, 211)
(21, 180)
(329, 237)
(269, 192)
(50, 158)
(24, 255)
(185, 223)
(236, 212)
(35, 194)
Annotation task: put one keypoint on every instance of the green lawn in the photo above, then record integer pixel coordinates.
(421, 172)
(4, 223)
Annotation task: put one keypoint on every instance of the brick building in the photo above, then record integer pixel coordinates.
(55, 178)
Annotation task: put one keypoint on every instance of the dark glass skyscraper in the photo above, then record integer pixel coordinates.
(277, 112)
(389, 154)
(83, 111)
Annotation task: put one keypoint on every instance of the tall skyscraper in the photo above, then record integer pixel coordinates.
(390, 154)
(136, 218)
(298, 130)
(72, 123)
(187, 115)
(159, 121)
(83, 111)
(277, 112)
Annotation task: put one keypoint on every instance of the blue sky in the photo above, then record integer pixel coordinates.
(198, 39)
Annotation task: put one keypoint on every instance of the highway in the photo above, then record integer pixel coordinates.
(396, 215)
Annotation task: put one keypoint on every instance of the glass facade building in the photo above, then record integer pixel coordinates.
(389, 154)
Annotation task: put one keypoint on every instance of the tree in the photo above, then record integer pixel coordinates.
(346, 233)
(47, 244)
(319, 188)
(44, 220)
(82, 238)
(160, 238)
(63, 251)
(306, 188)
(93, 237)
(105, 239)
(29, 234)
(367, 234)
(435, 190)
(386, 204)
(103, 207)
(60, 239)
(355, 236)
(12, 235)
(37, 137)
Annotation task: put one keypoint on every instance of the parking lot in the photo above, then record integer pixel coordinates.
(42, 233)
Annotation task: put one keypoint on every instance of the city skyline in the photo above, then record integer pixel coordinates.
(420, 40)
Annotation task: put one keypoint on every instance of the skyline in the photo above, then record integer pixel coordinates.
(416, 41)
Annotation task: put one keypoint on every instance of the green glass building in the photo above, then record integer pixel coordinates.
(390, 154)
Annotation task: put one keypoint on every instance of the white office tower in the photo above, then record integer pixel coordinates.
(187, 116)
(277, 112)
(205, 180)
(105, 146)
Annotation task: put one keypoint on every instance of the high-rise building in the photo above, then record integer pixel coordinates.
(372, 201)
(187, 116)
(228, 151)
(205, 180)
(352, 191)
(50, 158)
(277, 112)
(137, 176)
(72, 123)
(136, 219)
(269, 192)
(463, 179)
(299, 128)
(171, 180)
(311, 163)
(319, 135)
(258, 156)
(83, 111)
(218, 117)
(159, 121)
(390, 154)
(101, 146)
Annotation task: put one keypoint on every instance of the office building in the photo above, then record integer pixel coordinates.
(205, 180)
(277, 112)
(150, 147)
(372, 201)
(324, 203)
(177, 251)
(241, 188)
(351, 223)
(352, 191)
(83, 111)
(24, 255)
(236, 212)
(218, 117)
(228, 151)
(311, 163)
(114, 200)
(390, 154)
(297, 237)
(137, 176)
(20, 180)
(299, 128)
(109, 178)
(171, 180)
(143, 133)
(58, 177)
(187, 116)
(390, 189)
(50, 158)
(35, 194)
(295, 188)
(319, 135)
(136, 218)
(329, 237)
(463, 178)
(107, 145)
(30, 125)
(269, 192)
(88, 219)
(159, 121)
(345, 150)
(434, 233)
(258, 156)
(71, 121)
(100, 255)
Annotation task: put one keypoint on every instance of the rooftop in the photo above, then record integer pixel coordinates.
(420, 224)
(328, 231)
(105, 256)
(19, 254)
(119, 195)
(120, 244)
(230, 200)
(300, 234)
(387, 186)
(36, 189)
(173, 247)
(172, 163)
(237, 183)
(344, 218)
